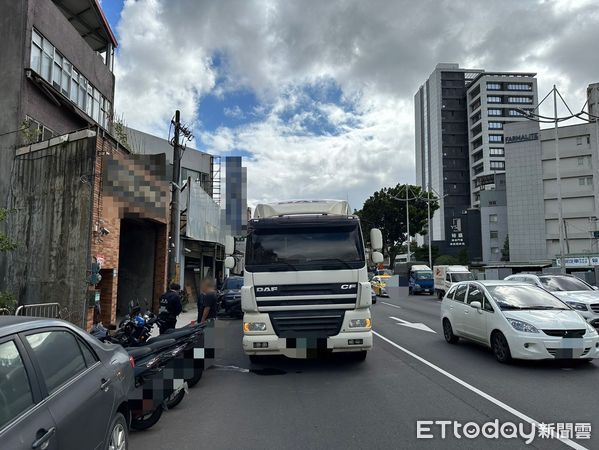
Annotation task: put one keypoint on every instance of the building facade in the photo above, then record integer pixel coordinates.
(493, 220)
(494, 99)
(442, 162)
(532, 190)
(56, 73)
(235, 195)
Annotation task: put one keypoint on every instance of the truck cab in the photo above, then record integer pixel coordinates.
(445, 276)
(421, 280)
(306, 288)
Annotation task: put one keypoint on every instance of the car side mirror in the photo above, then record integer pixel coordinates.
(476, 305)
(377, 257)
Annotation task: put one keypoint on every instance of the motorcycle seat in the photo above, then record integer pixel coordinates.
(176, 335)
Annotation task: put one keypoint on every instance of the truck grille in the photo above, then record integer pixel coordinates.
(307, 324)
(595, 307)
(312, 297)
(565, 333)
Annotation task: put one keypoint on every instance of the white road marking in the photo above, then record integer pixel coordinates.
(391, 304)
(417, 326)
(515, 412)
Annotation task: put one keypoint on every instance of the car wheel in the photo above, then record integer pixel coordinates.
(358, 356)
(118, 439)
(175, 398)
(448, 332)
(148, 420)
(500, 347)
(196, 378)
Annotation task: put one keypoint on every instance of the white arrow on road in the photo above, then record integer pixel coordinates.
(418, 326)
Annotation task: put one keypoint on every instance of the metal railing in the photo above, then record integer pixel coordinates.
(5, 312)
(47, 310)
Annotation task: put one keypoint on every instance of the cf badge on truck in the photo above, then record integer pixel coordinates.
(348, 286)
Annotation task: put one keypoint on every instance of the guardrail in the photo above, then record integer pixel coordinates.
(5, 312)
(47, 310)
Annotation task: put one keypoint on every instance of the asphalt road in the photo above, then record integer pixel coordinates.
(410, 375)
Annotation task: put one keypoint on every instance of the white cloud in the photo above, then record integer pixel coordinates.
(377, 52)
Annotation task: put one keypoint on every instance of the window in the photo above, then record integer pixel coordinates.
(475, 295)
(58, 355)
(494, 112)
(581, 181)
(496, 151)
(497, 165)
(58, 71)
(493, 234)
(495, 250)
(493, 86)
(495, 126)
(460, 293)
(493, 99)
(14, 384)
(515, 113)
(495, 138)
(581, 160)
(37, 132)
(519, 87)
(588, 181)
(519, 99)
(451, 292)
(478, 169)
(493, 218)
(89, 356)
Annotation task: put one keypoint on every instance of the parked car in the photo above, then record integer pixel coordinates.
(61, 388)
(230, 296)
(516, 320)
(378, 284)
(581, 296)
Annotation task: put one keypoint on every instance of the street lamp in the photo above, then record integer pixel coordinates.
(407, 199)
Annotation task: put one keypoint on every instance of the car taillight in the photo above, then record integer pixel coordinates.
(132, 362)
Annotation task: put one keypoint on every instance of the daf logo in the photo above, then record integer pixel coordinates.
(267, 289)
(348, 286)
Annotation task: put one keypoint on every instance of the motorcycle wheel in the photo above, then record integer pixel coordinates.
(175, 399)
(195, 379)
(148, 420)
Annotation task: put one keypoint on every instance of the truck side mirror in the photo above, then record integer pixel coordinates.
(377, 257)
(229, 245)
(229, 262)
(376, 239)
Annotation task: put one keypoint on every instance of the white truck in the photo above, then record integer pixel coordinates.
(445, 276)
(306, 288)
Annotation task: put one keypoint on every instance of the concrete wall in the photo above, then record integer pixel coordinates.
(51, 192)
(524, 183)
(493, 202)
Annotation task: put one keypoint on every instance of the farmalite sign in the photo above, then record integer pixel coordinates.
(522, 138)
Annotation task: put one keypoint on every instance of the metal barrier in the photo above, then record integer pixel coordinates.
(5, 312)
(48, 310)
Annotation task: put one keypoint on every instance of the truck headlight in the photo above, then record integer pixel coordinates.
(254, 326)
(522, 326)
(577, 306)
(360, 323)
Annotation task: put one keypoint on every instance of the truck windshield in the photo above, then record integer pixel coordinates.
(461, 276)
(424, 275)
(307, 248)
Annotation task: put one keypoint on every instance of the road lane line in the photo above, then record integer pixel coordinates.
(515, 412)
(391, 304)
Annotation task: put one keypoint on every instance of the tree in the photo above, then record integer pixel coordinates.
(421, 253)
(463, 257)
(7, 300)
(505, 251)
(382, 210)
(445, 260)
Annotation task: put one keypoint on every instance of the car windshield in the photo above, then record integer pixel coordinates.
(524, 297)
(461, 276)
(564, 284)
(306, 248)
(424, 275)
(233, 283)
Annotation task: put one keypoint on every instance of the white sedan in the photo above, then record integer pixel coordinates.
(516, 320)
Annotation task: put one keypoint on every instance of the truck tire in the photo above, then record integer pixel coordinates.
(359, 356)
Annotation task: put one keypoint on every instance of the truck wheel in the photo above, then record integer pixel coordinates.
(359, 356)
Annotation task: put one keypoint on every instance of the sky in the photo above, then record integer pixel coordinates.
(317, 96)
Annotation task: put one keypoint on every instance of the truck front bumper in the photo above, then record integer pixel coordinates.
(271, 344)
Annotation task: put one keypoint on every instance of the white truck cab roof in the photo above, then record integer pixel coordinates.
(302, 207)
(419, 267)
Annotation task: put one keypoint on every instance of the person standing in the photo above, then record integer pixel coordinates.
(170, 308)
(207, 302)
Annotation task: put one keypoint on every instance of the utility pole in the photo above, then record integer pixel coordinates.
(174, 235)
(408, 221)
(560, 218)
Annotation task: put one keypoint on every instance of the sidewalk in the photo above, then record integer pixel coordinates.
(190, 314)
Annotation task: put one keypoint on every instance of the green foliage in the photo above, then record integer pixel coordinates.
(421, 253)
(381, 210)
(6, 244)
(120, 133)
(505, 251)
(8, 301)
(445, 260)
(30, 133)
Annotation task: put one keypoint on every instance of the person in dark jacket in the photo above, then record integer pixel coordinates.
(207, 301)
(170, 307)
